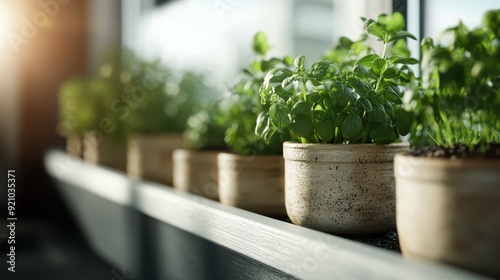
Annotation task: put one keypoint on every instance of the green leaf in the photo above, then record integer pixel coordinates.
(279, 115)
(361, 87)
(288, 81)
(377, 30)
(302, 108)
(325, 130)
(276, 75)
(367, 60)
(388, 109)
(382, 133)
(299, 62)
(395, 22)
(288, 60)
(342, 94)
(404, 121)
(271, 63)
(260, 44)
(403, 60)
(340, 119)
(396, 91)
(364, 104)
(378, 66)
(360, 71)
(378, 114)
(263, 123)
(390, 73)
(345, 42)
(352, 128)
(400, 48)
(256, 66)
(391, 95)
(302, 126)
(402, 35)
(323, 69)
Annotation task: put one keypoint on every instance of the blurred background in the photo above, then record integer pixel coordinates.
(45, 42)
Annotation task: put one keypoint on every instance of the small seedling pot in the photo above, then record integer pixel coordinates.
(150, 156)
(449, 211)
(196, 172)
(74, 145)
(103, 150)
(341, 189)
(253, 183)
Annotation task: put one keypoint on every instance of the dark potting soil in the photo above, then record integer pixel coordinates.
(388, 240)
(489, 151)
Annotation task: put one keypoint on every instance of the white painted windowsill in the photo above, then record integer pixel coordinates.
(298, 251)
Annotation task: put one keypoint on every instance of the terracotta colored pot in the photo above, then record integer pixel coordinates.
(150, 156)
(102, 150)
(196, 172)
(74, 146)
(253, 183)
(342, 189)
(449, 211)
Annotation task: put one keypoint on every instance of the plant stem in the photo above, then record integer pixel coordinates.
(304, 91)
(383, 57)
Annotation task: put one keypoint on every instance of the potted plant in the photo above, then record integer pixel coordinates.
(448, 187)
(331, 186)
(195, 168)
(252, 176)
(105, 137)
(75, 114)
(163, 102)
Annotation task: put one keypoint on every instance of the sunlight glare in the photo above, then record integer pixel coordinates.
(5, 22)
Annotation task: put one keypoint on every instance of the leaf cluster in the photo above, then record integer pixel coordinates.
(129, 94)
(359, 103)
(204, 131)
(240, 108)
(460, 100)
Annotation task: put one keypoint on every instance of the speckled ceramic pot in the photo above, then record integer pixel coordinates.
(253, 183)
(150, 156)
(449, 211)
(197, 172)
(342, 189)
(102, 150)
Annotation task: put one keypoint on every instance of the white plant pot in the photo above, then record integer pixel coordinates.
(196, 172)
(449, 211)
(150, 156)
(102, 150)
(342, 189)
(253, 183)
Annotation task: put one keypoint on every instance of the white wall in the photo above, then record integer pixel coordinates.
(216, 36)
(446, 13)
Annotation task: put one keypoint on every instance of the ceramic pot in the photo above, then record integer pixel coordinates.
(253, 183)
(196, 172)
(102, 150)
(150, 156)
(342, 189)
(74, 146)
(449, 211)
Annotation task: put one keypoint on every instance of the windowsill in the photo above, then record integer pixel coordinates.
(297, 251)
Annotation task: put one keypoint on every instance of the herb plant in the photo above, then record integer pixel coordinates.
(361, 103)
(345, 54)
(203, 131)
(75, 111)
(161, 102)
(460, 100)
(241, 107)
